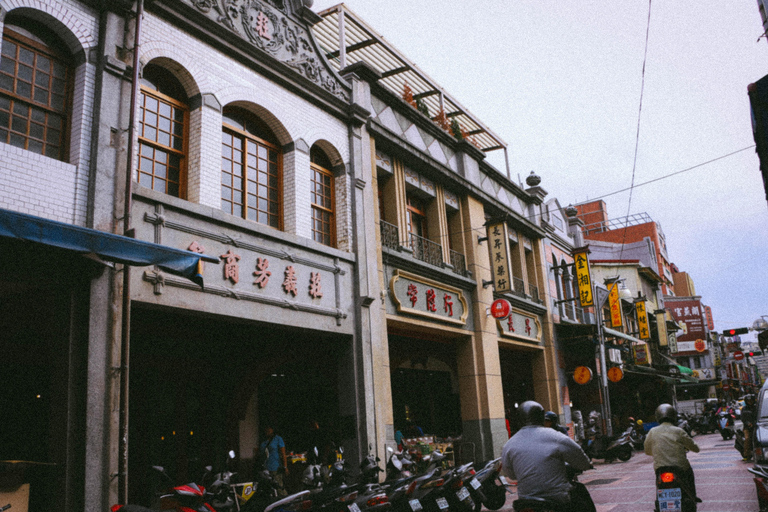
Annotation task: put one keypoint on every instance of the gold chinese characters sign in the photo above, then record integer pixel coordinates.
(615, 304)
(416, 295)
(642, 320)
(520, 325)
(498, 246)
(583, 278)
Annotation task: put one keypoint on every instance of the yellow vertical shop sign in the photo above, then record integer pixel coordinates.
(615, 304)
(583, 278)
(498, 243)
(642, 320)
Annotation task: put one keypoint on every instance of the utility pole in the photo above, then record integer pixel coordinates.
(601, 295)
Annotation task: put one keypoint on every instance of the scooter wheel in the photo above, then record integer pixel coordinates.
(495, 497)
(625, 454)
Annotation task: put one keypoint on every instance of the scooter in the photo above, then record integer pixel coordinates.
(545, 505)
(486, 488)
(183, 498)
(672, 495)
(761, 484)
(725, 424)
(604, 447)
(636, 434)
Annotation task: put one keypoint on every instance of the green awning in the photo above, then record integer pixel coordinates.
(685, 370)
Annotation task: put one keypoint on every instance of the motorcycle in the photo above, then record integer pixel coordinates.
(190, 497)
(603, 447)
(761, 484)
(484, 488)
(672, 493)
(636, 434)
(545, 505)
(725, 423)
(399, 465)
(684, 423)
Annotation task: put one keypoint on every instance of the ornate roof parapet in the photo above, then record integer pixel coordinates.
(281, 29)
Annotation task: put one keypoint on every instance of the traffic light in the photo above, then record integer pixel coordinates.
(736, 332)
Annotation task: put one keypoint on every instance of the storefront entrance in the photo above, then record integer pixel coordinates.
(516, 381)
(201, 386)
(424, 387)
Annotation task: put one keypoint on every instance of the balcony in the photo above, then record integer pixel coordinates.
(459, 263)
(518, 287)
(390, 237)
(426, 250)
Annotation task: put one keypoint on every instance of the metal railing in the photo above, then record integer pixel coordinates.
(518, 286)
(458, 262)
(390, 237)
(426, 250)
(534, 292)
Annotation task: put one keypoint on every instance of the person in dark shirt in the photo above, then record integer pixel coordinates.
(748, 418)
(552, 420)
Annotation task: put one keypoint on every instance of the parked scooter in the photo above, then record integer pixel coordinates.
(725, 423)
(671, 492)
(760, 478)
(684, 423)
(190, 497)
(604, 447)
(486, 488)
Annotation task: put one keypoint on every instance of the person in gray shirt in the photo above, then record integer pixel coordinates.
(536, 457)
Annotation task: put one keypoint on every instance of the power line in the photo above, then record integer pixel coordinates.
(637, 135)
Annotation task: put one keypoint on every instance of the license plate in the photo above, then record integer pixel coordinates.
(462, 493)
(475, 484)
(670, 500)
(354, 508)
(442, 503)
(415, 505)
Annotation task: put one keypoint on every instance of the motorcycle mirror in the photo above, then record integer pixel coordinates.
(231, 454)
(341, 450)
(317, 453)
(390, 450)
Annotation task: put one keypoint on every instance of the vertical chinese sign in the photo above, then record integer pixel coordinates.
(583, 278)
(498, 244)
(615, 304)
(642, 320)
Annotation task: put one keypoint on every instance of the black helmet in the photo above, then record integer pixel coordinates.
(552, 416)
(666, 412)
(532, 413)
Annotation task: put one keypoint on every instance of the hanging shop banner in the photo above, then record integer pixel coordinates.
(615, 303)
(642, 320)
(583, 277)
(416, 295)
(520, 325)
(640, 351)
(661, 325)
(689, 314)
(498, 245)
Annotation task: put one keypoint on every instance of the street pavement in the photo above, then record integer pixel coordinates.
(722, 481)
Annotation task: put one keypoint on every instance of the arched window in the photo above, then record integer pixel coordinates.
(35, 87)
(251, 165)
(162, 132)
(323, 224)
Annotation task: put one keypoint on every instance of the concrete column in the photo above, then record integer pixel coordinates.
(546, 382)
(482, 400)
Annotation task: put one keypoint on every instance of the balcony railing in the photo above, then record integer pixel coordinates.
(426, 250)
(534, 293)
(459, 263)
(518, 286)
(389, 235)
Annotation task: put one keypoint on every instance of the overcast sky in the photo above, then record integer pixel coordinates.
(560, 82)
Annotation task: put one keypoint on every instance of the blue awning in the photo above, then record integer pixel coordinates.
(107, 246)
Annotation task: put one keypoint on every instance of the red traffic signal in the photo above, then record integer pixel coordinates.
(735, 332)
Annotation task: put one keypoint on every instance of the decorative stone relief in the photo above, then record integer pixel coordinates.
(266, 26)
(451, 199)
(383, 162)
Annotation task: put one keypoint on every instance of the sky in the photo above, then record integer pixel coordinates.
(560, 83)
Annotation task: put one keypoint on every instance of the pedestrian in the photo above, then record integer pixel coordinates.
(275, 460)
(536, 456)
(668, 445)
(748, 418)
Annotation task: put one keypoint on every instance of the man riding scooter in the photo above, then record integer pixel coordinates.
(668, 444)
(536, 456)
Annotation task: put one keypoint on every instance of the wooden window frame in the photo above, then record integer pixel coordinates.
(246, 136)
(316, 207)
(66, 113)
(183, 153)
(416, 209)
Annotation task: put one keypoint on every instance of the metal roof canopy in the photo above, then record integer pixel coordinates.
(347, 39)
